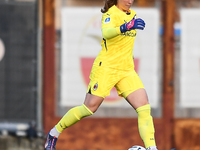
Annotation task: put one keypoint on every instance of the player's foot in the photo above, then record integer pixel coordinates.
(50, 142)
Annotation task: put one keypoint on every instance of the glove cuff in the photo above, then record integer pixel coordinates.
(123, 28)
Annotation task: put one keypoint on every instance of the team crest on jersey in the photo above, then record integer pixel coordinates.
(95, 87)
(107, 20)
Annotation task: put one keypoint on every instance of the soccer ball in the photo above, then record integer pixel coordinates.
(136, 147)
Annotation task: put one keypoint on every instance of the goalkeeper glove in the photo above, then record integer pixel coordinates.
(133, 24)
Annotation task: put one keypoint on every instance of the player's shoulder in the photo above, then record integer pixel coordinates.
(108, 15)
(111, 11)
(106, 18)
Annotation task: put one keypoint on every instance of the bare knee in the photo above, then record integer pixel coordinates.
(93, 102)
(138, 98)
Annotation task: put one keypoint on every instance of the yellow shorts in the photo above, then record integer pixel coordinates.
(103, 79)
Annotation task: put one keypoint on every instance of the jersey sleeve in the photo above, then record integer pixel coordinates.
(109, 33)
(109, 28)
(108, 21)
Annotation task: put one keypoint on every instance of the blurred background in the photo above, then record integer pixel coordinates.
(47, 48)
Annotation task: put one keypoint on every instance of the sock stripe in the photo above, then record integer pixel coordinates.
(91, 113)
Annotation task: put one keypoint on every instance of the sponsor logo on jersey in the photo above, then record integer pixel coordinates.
(129, 33)
(107, 20)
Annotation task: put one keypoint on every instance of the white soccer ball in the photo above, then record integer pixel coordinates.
(136, 147)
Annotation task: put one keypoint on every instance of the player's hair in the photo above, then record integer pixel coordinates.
(108, 4)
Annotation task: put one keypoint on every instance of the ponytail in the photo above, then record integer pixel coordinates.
(108, 4)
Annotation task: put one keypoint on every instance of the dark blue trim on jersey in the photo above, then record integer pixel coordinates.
(105, 44)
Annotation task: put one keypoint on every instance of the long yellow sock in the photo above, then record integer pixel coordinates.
(72, 116)
(145, 124)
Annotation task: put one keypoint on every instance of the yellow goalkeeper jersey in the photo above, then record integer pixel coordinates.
(117, 52)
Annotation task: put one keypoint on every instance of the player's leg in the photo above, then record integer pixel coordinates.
(132, 89)
(139, 101)
(70, 118)
(75, 114)
(92, 102)
(90, 105)
(98, 88)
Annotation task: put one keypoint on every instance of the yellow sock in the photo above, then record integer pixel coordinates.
(145, 124)
(72, 116)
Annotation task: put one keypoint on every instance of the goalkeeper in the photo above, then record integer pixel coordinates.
(113, 67)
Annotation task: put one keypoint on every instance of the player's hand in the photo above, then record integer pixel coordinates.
(133, 24)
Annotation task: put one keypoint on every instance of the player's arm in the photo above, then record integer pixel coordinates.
(109, 33)
(108, 28)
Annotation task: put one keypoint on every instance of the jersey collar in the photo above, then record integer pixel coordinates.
(117, 9)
